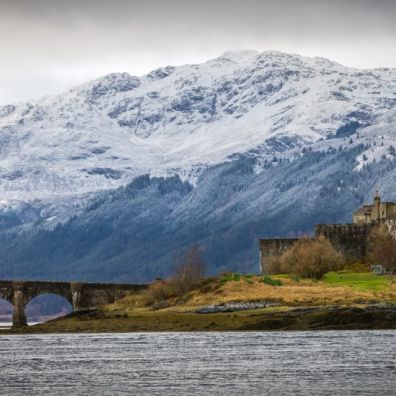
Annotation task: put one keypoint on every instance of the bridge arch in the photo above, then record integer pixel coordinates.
(7, 292)
(47, 306)
(82, 296)
(24, 292)
(6, 312)
(63, 291)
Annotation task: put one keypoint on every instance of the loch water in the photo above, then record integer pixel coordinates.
(198, 363)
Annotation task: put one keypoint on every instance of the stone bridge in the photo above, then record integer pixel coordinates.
(82, 296)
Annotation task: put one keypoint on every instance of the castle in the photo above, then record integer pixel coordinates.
(351, 239)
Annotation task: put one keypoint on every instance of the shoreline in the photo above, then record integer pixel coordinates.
(235, 302)
(308, 318)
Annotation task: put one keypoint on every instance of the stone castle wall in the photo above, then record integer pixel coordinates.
(273, 247)
(350, 239)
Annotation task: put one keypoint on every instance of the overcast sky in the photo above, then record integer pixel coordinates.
(47, 46)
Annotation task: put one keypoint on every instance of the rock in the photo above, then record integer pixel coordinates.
(235, 306)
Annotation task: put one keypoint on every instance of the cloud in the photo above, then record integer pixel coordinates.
(49, 45)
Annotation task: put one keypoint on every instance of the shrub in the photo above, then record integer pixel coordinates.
(189, 271)
(308, 258)
(274, 265)
(230, 277)
(357, 267)
(295, 278)
(158, 292)
(188, 274)
(272, 282)
(382, 247)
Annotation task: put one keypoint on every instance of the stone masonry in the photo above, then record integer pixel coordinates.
(351, 239)
(82, 296)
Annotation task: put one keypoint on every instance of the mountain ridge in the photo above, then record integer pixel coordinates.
(116, 177)
(179, 120)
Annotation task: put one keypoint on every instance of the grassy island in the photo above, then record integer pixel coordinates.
(340, 300)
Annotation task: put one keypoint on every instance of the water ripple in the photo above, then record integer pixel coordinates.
(218, 363)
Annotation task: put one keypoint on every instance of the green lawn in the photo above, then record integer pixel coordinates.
(361, 281)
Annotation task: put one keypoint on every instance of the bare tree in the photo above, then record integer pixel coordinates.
(189, 269)
(382, 248)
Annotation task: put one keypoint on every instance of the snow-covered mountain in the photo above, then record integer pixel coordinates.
(112, 179)
(180, 120)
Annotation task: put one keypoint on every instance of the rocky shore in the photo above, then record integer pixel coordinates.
(378, 316)
(235, 307)
(369, 317)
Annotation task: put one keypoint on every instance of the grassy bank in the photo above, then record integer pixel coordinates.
(281, 318)
(359, 281)
(338, 301)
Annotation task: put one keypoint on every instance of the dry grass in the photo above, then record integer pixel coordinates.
(319, 318)
(291, 293)
(132, 314)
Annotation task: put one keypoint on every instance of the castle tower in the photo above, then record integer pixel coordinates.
(377, 206)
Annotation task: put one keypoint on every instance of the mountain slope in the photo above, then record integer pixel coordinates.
(179, 120)
(112, 179)
(133, 233)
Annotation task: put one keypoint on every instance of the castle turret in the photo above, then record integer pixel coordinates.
(377, 206)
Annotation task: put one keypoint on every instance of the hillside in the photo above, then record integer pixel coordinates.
(133, 234)
(112, 179)
(181, 119)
